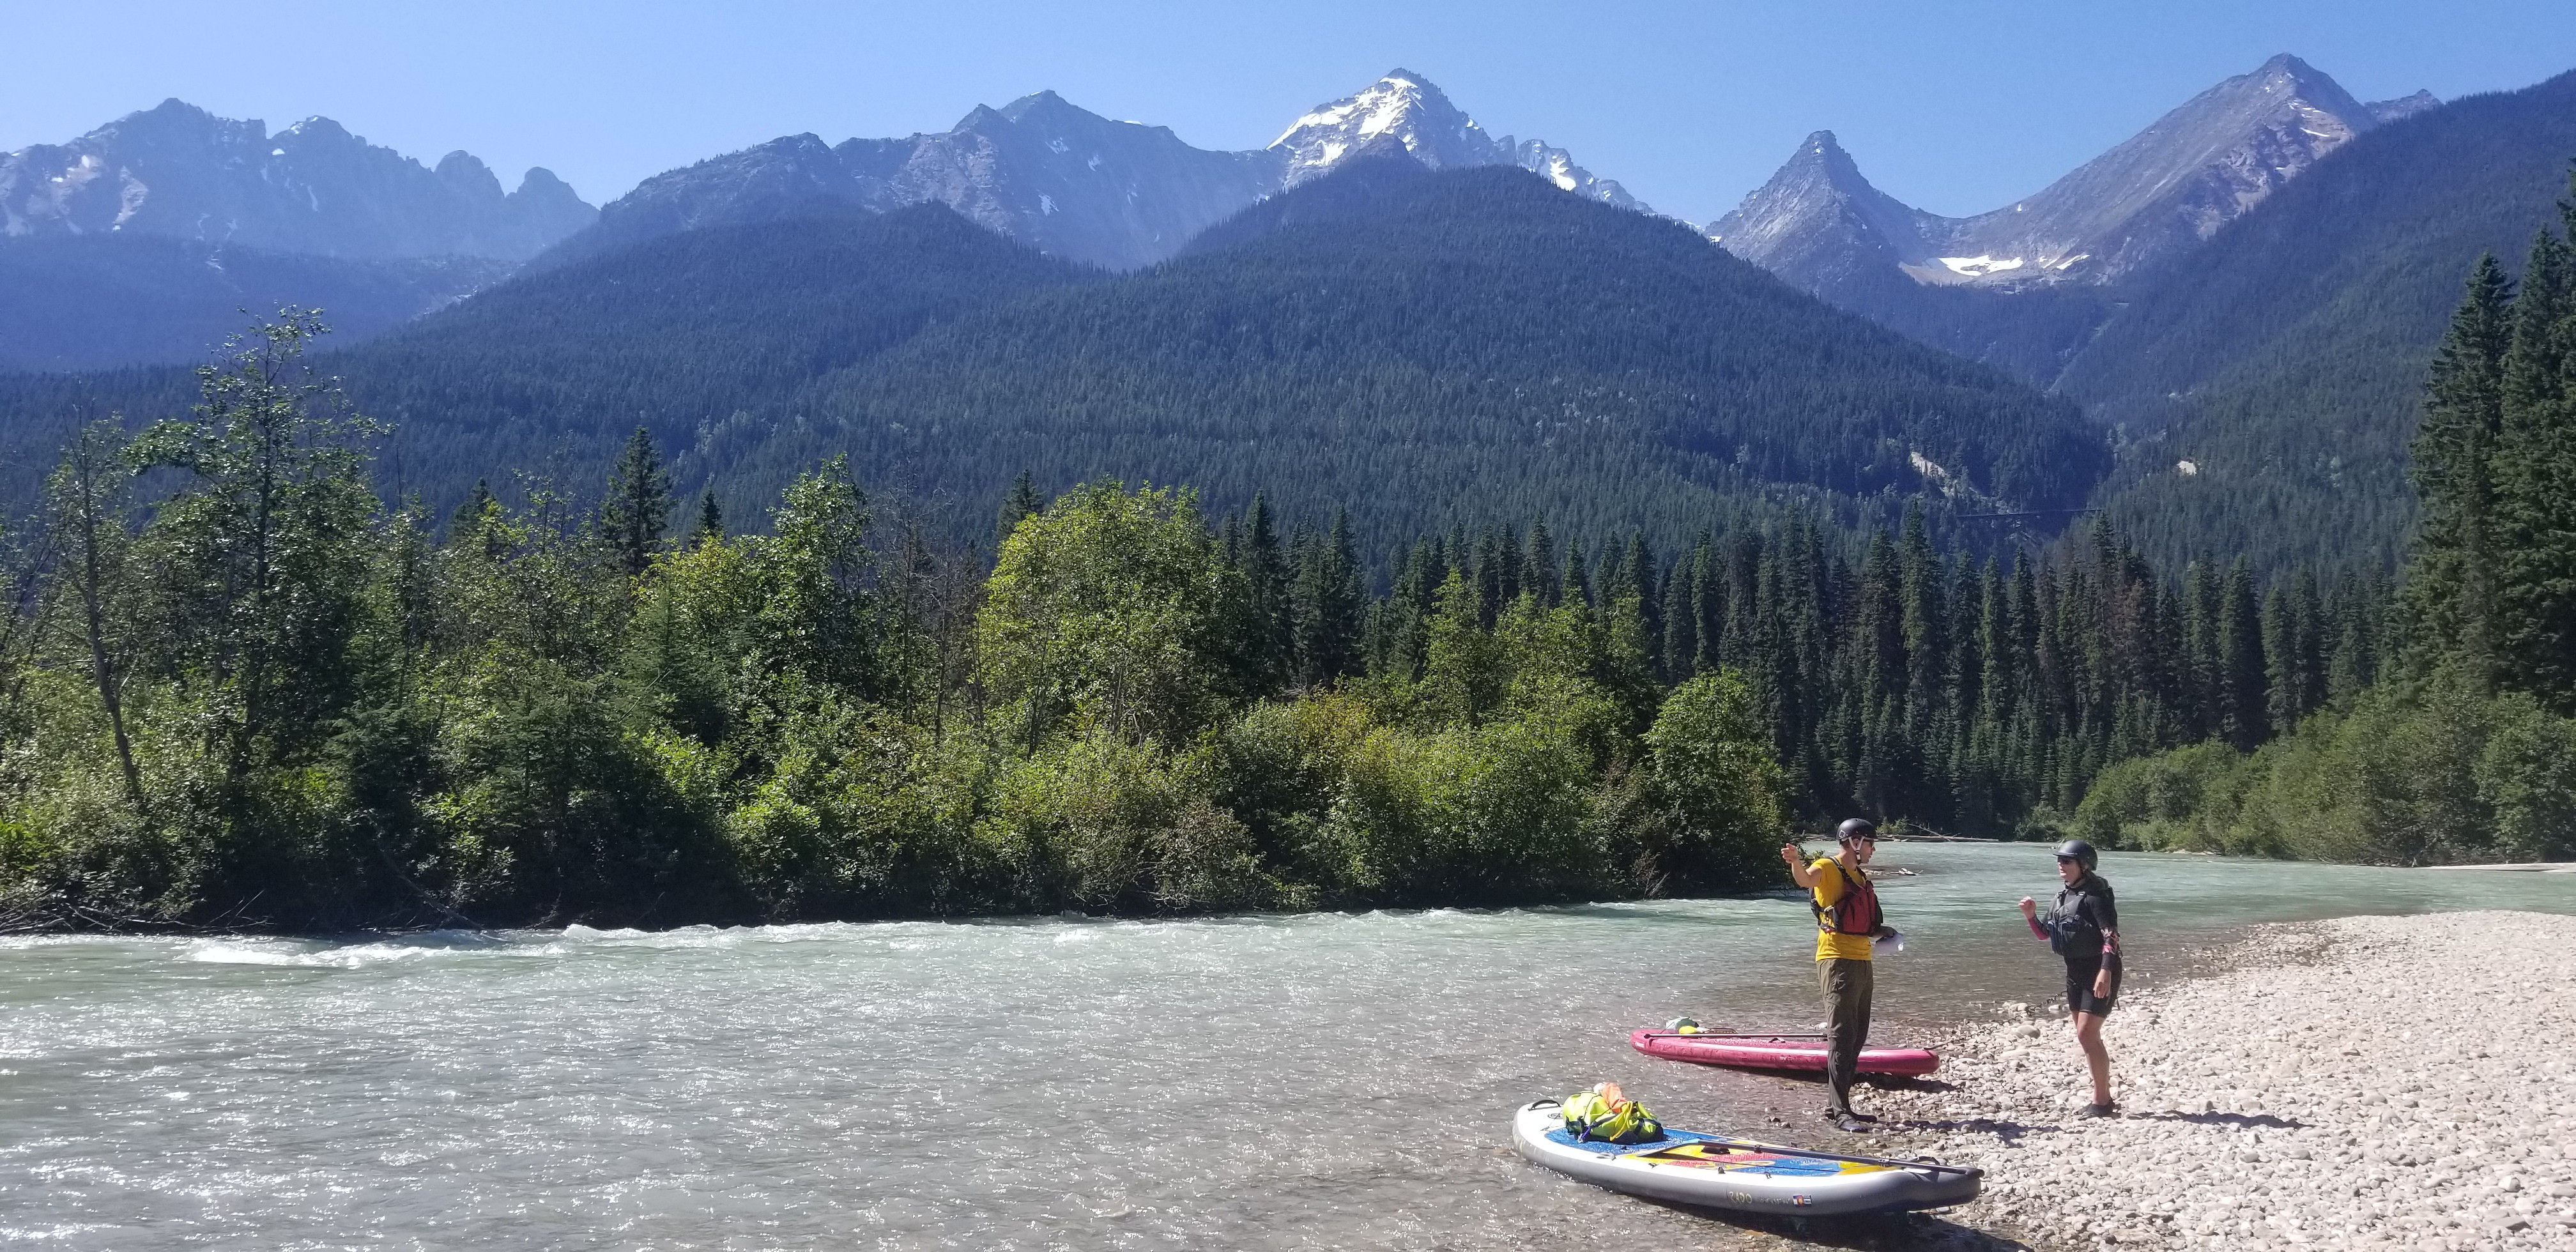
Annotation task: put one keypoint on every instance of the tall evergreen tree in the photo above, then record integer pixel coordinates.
(1681, 624)
(1268, 630)
(1638, 567)
(1332, 598)
(2535, 481)
(1488, 579)
(1575, 586)
(1021, 501)
(1538, 565)
(2242, 691)
(638, 507)
(2199, 674)
(2452, 589)
(709, 526)
(1708, 605)
(468, 517)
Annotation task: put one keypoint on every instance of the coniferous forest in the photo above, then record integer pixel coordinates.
(2464, 748)
(243, 690)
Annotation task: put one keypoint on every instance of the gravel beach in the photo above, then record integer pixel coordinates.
(2355, 1083)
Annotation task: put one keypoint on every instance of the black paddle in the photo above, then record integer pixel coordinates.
(1771, 1150)
(1711, 1034)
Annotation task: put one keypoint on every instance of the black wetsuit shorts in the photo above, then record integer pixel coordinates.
(2079, 986)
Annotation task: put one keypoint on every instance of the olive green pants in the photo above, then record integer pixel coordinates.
(1847, 984)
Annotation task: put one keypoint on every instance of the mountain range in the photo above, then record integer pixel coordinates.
(2241, 297)
(179, 172)
(1070, 182)
(1819, 223)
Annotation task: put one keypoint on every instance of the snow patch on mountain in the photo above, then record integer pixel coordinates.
(1980, 266)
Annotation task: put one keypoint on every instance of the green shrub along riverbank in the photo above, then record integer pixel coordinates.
(2465, 750)
(2430, 773)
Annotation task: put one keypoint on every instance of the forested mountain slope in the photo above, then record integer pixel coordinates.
(2284, 360)
(1438, 347)
(549, 372)
(85, 302)
(676, 334)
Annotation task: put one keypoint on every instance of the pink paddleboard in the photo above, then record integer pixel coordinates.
(1776, 1052)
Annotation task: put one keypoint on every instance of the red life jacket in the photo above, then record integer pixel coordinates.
(1856, 912)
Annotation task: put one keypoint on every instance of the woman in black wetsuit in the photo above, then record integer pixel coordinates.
(2084, 927)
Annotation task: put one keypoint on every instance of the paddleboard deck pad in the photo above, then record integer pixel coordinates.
(1805, 1052)
(1712, 1171)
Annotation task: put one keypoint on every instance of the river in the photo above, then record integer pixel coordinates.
(1323, 1080)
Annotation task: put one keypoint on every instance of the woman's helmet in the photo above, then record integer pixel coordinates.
(1856, 828)
(2080, 852)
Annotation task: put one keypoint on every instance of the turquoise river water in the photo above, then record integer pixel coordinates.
(1325, 1080)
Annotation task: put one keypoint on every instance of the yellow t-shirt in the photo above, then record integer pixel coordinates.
(1829, 888)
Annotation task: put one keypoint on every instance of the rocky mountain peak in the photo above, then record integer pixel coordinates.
(1402, 104)
(1820, 155)
(1818, 218)
(1039, 169)
(2200, 166)
(312, 188)
(468, 174)
(1410, 109)
(1044, 106)
(2403, 107)
(2288, 65)
(321, 130)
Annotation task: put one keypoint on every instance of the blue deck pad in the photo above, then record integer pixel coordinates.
(1671, 1139)
(1792, 1166)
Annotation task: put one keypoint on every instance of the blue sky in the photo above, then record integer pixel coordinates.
(1955, 107)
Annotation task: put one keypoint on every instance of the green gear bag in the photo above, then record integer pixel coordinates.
(1589, 1116)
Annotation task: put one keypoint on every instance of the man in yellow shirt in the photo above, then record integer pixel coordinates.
(1848, 924)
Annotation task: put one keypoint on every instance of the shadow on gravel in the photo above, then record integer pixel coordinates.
(2007, 1132)
(2263, 1121)
(1892, 1232)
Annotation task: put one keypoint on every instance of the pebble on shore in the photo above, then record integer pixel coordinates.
(2365, 1082)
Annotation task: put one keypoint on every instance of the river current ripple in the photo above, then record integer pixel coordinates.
(1326, 1080)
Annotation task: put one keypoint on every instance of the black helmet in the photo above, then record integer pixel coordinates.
(1856, 828)
(2080, 852)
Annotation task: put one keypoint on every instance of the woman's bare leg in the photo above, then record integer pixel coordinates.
(2088, 1033)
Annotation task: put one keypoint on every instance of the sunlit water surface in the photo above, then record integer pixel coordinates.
(1311, 1081)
